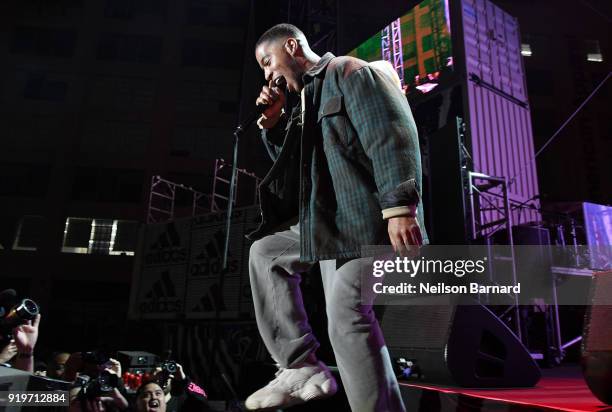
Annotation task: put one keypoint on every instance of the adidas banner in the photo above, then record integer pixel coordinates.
(177, 273)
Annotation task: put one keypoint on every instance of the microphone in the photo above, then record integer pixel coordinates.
(253, 116)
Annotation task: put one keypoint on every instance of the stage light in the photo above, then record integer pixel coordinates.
(595, 57)
(593, 51)
(427, 87)
(526, 49)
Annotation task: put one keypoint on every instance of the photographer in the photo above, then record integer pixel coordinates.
(19, 321)
(8, 352)
(57, 365)
(25, 337)
(97, 380)
(170, 390)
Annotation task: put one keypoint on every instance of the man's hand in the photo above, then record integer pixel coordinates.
(405, 235)
(25, 339)
(178, 376)
(180, 373)
(273, 97)
(8, 352)
(113, 366)
(26, 335)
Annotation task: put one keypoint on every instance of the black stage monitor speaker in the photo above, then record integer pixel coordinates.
(597, 339)
(464, 345)
(15, 380)
(137, 359)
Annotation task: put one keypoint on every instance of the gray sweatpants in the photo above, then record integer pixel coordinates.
(359, 348)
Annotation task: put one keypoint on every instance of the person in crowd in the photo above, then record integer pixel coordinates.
(57, 365)
(170, 393)
(151, 397)
(25, 338)
(82, 374)
(8, 352)
(22, 339)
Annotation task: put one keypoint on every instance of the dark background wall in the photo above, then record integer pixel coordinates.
(98, 96)
(576, 166)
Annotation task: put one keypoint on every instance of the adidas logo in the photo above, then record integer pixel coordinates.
(162, 297)
(162, 288)
(167, 248)
(212, 218)
(210, 260)
(211, 301)
(168, 238)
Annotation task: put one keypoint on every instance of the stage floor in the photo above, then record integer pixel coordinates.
(560, 389)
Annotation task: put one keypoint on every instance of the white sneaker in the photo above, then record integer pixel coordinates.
(294, 386)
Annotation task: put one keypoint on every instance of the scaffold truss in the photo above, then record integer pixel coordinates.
(162, 200)
(490, 214)
(391, 47)
(222, 178)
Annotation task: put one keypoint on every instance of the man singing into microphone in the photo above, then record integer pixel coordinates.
(346, 173)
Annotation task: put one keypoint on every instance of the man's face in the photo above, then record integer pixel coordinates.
(151, 399)
(279, 65)
(56, 369)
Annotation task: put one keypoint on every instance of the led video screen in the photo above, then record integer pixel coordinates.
(419, 42)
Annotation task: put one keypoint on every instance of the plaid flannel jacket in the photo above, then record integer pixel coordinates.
(353, 152)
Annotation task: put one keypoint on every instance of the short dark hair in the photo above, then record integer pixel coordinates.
(279, 31)
(142, 386)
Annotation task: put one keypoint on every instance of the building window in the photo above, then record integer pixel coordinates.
(129, 48)
(593, 51)
(93, 184)
(23, 179)
(38, 87)
(36, 9)
(100, 236)
(526, 49)
(128, 9)
(207, 13)
(44, 42)
(28, 233)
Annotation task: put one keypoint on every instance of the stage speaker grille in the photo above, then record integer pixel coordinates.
(597, 339)
(464, 345)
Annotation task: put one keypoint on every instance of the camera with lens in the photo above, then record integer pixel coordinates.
(168, 367)
(94, 381)
(14, 312)
(101, 385)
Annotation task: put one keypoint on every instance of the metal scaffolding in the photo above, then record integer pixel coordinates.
(391, 47)
(162, 200)
(398, 52)
(163, 194)
(385, 44)
(222, 178)
(490, 213)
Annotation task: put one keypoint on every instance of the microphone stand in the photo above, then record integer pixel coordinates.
(240, 129)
